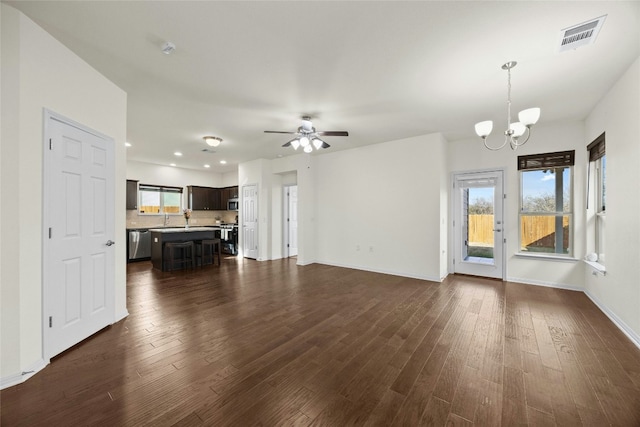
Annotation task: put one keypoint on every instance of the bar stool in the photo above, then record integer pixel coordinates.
(214, 246)
(187, 255)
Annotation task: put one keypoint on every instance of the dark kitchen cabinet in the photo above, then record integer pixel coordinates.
(228, 193)
(233, 192)
(132, 194)
(225, 195)
(209, 198)
(204, 198)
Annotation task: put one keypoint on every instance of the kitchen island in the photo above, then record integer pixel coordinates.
(160, 236)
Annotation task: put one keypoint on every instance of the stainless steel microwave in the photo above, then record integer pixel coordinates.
(232, 205)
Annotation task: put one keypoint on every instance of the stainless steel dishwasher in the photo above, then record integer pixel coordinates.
(139, 244)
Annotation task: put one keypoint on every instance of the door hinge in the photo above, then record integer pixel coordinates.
(287, 245)
(454, 261)
(504, 240)
(50, 321)
(50, 144)
(454, 222)
(504, 196)
(49, 232)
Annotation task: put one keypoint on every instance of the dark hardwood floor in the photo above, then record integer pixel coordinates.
(273, 344)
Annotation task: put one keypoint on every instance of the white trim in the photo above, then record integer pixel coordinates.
(542, 255)
(390, 272)
(545, 284)
(16, 379)
(596, 266)
(635, 338)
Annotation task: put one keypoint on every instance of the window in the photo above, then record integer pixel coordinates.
(546, 203)
(156, 199)
(598, 166)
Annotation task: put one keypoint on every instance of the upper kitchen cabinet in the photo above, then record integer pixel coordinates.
(132, 194)
(233, 192)
(204, 198)
(228, 193)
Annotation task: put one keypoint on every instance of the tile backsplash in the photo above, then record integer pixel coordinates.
(197, 218)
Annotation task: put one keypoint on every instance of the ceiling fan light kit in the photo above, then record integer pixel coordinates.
(307, 136)
(528, 118)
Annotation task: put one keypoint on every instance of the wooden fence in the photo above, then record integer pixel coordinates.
(536, 230)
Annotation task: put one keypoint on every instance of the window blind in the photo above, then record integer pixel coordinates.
(546, 160)
(160, 188)
(596, 148)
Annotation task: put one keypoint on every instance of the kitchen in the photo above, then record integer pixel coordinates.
(213, 198)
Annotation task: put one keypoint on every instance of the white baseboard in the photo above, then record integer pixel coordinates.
(545, 284)
(635, 338)
(381, 271)
(21, 377)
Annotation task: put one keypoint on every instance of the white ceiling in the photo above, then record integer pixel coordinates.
(380, 70)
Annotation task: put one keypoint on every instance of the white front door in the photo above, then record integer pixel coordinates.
(79, 262)
(292, 220)
(478, 224)
(250, 221)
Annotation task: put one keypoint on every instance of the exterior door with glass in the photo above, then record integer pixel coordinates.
(478, 224)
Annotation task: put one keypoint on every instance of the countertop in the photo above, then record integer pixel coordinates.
(160, 227)
(184, 230)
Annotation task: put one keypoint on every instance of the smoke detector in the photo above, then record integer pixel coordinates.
(580, 35)
(168, 47)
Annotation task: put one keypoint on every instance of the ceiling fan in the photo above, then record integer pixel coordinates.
(307, 137)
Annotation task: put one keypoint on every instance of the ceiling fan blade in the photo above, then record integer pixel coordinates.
(289, 143)
(325, 145)
(333, 133)
(279, 131)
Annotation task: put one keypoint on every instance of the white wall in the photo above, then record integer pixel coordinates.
(618, 114)
(39, 72)
(148, 173)
(467, 155)
(378, 207)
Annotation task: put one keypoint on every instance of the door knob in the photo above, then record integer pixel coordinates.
(110, 242)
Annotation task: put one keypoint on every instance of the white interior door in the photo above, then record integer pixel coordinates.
(478, 224)
(78, 283)
(292, 220)
(250, 221)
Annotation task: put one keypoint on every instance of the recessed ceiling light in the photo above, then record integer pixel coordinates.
(127, 144)
(177, 153)
(207, 166)
(172, 164)
(223, 162)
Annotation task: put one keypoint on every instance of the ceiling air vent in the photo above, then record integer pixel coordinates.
(580, 35)
(208, 150)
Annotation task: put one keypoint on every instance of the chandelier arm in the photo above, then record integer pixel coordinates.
(518, 144)
(494, 148)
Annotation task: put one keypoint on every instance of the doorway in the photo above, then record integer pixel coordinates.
(290, 220)
(79, 225)
(478, 224)
(250, 221)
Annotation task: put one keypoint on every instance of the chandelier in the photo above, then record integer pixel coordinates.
(514, 132)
